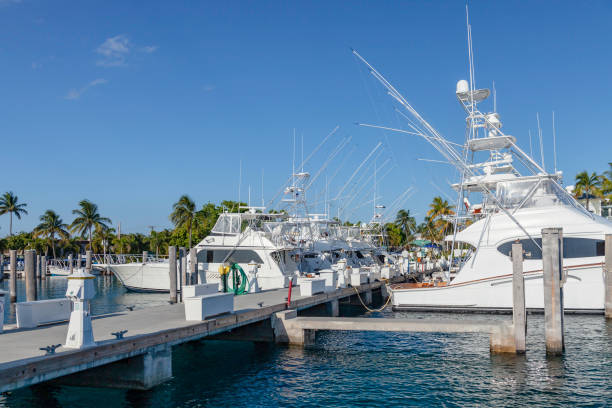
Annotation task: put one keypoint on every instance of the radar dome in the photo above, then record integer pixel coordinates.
(463, 86)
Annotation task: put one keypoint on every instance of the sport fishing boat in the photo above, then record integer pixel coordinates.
(519, 198)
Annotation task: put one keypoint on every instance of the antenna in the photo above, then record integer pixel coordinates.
(302, 152)
(263, 203)
(541, 142)
(554, 142)
(494, 98)
(249, 203)
(239, 182)
(530, 148)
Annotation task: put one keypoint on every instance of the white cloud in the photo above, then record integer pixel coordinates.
(149, 49)
(77, 93)
(114, 51)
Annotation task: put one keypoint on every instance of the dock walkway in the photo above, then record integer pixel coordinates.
(22, 363)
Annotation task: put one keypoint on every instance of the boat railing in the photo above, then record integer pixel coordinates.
(111, 259)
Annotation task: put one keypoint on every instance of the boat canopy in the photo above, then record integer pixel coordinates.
(530, 193)
(228, 223)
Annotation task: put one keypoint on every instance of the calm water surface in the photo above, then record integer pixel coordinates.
(356, 369)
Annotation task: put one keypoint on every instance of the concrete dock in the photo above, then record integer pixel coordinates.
(22, 363)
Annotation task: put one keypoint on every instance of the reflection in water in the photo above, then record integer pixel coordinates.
(359, 369)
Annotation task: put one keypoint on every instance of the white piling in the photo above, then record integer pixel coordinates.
(552, 262)
(519, 316)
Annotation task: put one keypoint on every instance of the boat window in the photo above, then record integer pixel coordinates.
(276, 256)
(237, 256)
(572, 248)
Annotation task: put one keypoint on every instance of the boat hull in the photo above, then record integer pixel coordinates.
(582, 292)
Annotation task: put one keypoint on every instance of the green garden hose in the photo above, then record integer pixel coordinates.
(239, 280)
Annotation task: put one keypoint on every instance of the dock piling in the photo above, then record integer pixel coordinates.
(519, 315)
(30, 277)
(1, 266)
(552, 264)
(193, 269)
(13, 275)
(70, 265)
(43, 267)
(182, 269)
(38, 267)
(172, 271)
(88, 261)
(333, 308)
(145, 256)
(608, 276)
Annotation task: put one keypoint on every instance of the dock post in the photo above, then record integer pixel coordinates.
(1, 266)
(172, 271)
(29, 272)
(333, 308)
(70, 265)
(145, 255)
(182, 268)
(519, 316)
(88, 260)
(43, 267)
(367, 298)
(608, 275)
(38, 268)
(193, 269)
(552, 263)
(13, 275)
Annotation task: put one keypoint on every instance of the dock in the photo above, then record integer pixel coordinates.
(151, 334)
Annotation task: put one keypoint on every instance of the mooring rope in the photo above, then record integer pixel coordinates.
(372, 310)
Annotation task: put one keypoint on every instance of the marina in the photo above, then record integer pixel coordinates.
(253, 224)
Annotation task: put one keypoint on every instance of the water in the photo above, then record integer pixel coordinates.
(356, 369)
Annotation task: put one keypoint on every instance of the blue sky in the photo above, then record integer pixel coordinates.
(131, 106)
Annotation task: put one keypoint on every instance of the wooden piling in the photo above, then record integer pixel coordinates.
(1, 267)
(43, 267)
(30, 277)
(88, 255)
(38, 268)
(193, 268)
(71, 266)
(519, 316)
(13, 275)
(608, 276)
(145, 255)
(172, 271)
(182, 268)
(552, 265)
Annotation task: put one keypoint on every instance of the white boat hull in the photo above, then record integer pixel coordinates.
(583, 291)
(138, 277)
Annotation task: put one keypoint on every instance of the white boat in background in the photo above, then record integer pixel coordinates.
(149, 276)
(519, 199)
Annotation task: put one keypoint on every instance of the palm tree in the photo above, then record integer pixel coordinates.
(439, 211)
(51, 224)
(587, 185)
(9, 203)
(184, 214)
(88, 218)
(406, 222)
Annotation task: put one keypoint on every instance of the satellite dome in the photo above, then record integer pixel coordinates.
(463, 87)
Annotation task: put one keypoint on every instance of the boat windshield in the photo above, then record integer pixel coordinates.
(227, 224)
(541, 192)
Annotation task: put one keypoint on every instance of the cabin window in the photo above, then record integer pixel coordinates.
(238, 256)
(572, 248)
(359, 254)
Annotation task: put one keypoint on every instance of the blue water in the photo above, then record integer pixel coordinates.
(356, 369)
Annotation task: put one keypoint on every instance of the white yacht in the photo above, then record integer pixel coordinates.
(519, 199)
(237, 238)
(249, 238)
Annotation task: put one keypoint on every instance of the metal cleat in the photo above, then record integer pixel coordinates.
(260, 304)
(119, 334)
(50, 349)
(130, 308)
